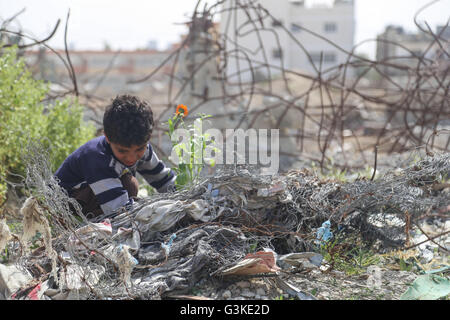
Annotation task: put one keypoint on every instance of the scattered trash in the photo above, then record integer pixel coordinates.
(12, 279)
(323, 233)
(199, 210)
(216, 223)
(301, 259)
(126, 262)
(427, 255)
(214, 193)
(269, 192)
(160, 215)
(427, 287)
(292, 290)
(91, 233)
(34, 220)
(254, 263)
(5, 234)
(443, 269)
(76, 277)
(38, 291)
(167, 246)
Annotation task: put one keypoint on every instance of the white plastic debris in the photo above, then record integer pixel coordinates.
(90, 233)
(126, 262)
(199, 210)
(160, 215)
(35, 220)
(301, 259)
(168, 246)
(76, 277)
(12, 279)
(5, 234)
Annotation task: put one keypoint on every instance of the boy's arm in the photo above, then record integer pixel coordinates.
(107, 187)
(156, 173)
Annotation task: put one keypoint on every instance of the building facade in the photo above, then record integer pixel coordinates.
(290, 35)
(399, 50)
(100, 73)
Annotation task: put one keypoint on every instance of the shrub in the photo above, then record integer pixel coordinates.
(24, 116)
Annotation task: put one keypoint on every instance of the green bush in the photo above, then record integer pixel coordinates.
(24, 116)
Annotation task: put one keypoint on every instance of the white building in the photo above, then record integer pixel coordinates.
(403, 49)
(298, 30)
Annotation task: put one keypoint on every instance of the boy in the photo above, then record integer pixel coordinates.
(100, 174)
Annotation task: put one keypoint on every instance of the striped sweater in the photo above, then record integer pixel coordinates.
(94, 164)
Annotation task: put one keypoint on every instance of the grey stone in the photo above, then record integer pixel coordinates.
(243, 284)
(61, 296)
(260, 292)
(226, 294)
(427, 255)
(247, 293)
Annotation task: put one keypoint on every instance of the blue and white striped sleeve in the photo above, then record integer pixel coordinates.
(107, 187)
(156, 173)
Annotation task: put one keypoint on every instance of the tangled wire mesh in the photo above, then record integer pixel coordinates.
(165, 244)
(214, 224)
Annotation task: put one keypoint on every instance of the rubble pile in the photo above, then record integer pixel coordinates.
(236, 235)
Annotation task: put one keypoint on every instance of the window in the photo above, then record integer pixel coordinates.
(416, 53)
(316, 57)
(277, 23)
(297, 2)
(277, 53)
(328, 57)
(330, 27)
(295, 27)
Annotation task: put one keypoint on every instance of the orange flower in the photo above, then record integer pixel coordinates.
(184, 110)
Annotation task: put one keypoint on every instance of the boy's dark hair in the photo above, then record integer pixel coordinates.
(128, 121)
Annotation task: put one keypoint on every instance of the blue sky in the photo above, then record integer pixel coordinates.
(133, 23)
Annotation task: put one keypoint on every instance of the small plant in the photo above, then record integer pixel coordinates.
(4, 256)
(348, 255)
(252, 247)
(331, 171)
(189, 154)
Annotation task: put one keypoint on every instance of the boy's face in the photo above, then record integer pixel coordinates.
(127, 155)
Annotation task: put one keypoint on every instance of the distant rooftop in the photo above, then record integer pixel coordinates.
(317, 4)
